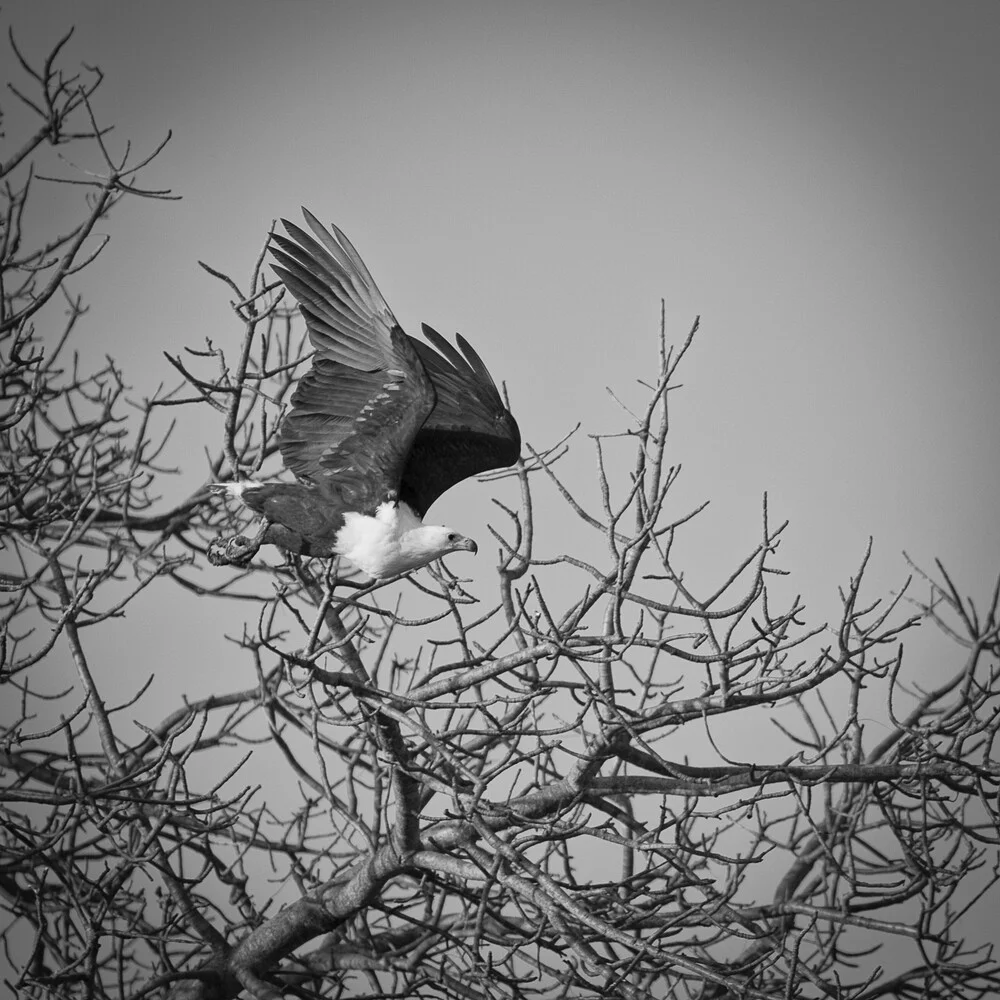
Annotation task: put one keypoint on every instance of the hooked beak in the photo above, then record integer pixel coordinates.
(467, 543)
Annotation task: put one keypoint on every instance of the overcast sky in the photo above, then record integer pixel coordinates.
(817, 181)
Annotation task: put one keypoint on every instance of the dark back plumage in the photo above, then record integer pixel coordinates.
(380, 414)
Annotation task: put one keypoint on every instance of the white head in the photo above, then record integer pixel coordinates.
(428, 542)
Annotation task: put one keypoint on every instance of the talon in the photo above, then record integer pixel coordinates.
(217, 551)
(235, 551)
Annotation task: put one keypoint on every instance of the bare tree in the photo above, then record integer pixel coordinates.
(427, 788)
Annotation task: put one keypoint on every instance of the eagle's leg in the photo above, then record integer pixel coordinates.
(237, 550)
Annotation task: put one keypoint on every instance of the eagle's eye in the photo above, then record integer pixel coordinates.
(452, 537)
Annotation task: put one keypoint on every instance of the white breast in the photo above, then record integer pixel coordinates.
(382, 546)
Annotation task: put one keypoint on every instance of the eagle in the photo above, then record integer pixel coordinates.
(379, 427)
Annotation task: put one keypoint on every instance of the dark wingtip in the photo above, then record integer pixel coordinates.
(443, 347)
(474, 360)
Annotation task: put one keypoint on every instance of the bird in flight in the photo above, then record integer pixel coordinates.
(379, 427)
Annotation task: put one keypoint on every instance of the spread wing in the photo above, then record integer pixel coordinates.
(355, 414)
(468, 432)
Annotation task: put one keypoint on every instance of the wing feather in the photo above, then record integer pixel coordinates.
(380, 414)
(475, 361)
(355, 414)
(469, 431)
(453, 357)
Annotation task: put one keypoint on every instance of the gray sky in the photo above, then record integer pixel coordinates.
(818, 181)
